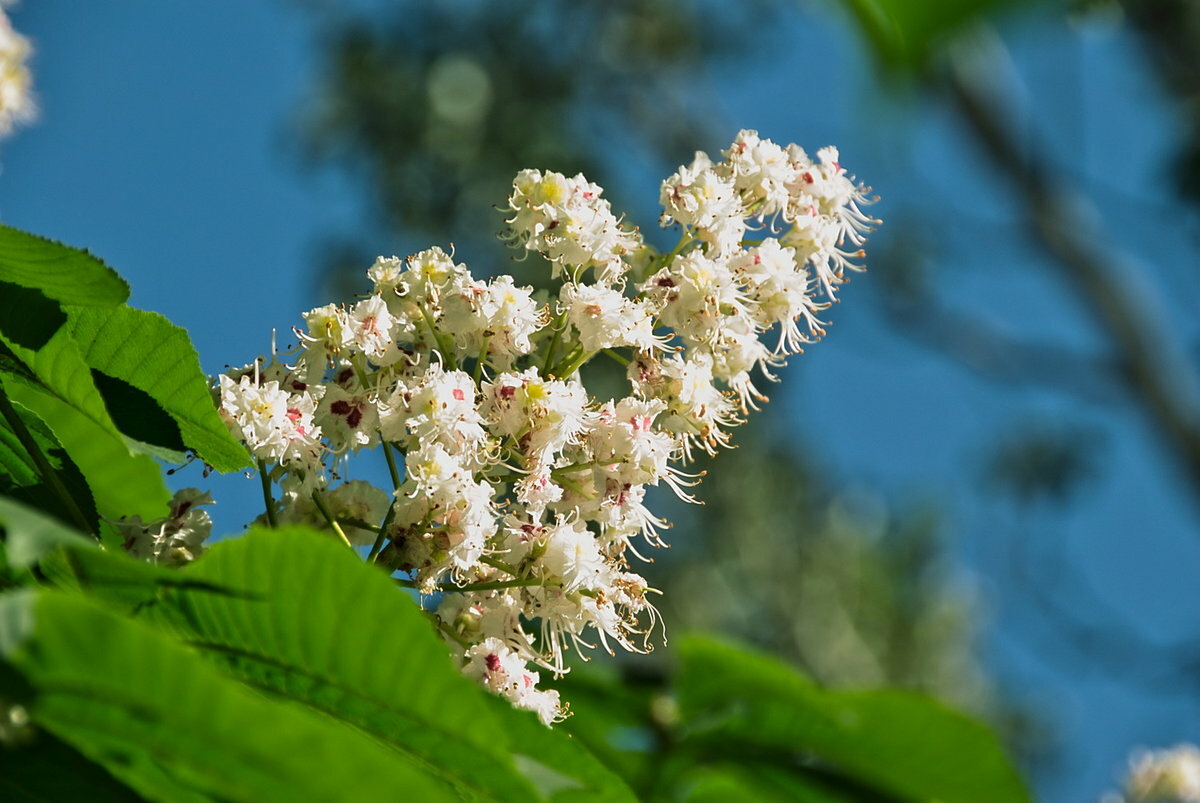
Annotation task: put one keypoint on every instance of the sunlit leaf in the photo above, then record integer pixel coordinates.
(63, 273)
(316, 625)
(149, 367)
(169, 724)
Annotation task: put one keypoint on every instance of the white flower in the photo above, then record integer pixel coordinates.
(1164, 776)
(16, 95)
(348, 420)
(522, 498)
(373, 330)
(328, 336)
(777, 292)
(572, 555)
(604, 318)
(696, 195)
(695, 295)
(174, 540)
(567, 221)
(513, 320)
(504, 672)
(761, 172)
(276, 425)
(542, 415)
(437, 408)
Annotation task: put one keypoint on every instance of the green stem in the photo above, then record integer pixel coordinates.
(496, 563)
(684, 239)
(483, 350)
(43, 465)
(379, 539)
(488, 586)
(391, 461)
(574, 364)
(337, 528)
(447, 354)
(266, 491)
(571, 486)
(360, 369)
(555, 472)
(617, 357)
(559, 324)
(449, 631)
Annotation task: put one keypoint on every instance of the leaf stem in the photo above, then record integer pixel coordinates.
(43, 465)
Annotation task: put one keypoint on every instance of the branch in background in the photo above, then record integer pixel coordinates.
(994, 355)
(1152, 366)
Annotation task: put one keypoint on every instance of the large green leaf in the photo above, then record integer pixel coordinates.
(152, 355)
(40, 767)
(66, 398)
(170, 725)
(63, 273)
(900, 743)
(317, 625)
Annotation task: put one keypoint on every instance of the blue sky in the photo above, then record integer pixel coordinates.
(166, 146)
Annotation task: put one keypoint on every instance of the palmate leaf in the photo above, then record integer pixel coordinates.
(148, 354)
(169, 724)
(63, 273)
(899, 743)
(316, 625)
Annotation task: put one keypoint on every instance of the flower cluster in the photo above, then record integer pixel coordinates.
(174, 540)
(16, 93)
(1162, 776)
(518, 499)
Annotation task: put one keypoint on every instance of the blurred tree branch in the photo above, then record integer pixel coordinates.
(1152, 365)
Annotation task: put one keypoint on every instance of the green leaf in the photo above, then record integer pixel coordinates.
(30, 535)
(63, 273)
(122, 484)
(27, 316)
(900, 743)
(38, 766)
(17, 468)
(906, 34)
(320, 627)
(137, 415)
(66, 398)
(757, 782)
(156, 358)
(561, 767)
(171, 726)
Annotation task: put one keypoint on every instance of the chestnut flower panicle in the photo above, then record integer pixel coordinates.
(517, 496)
